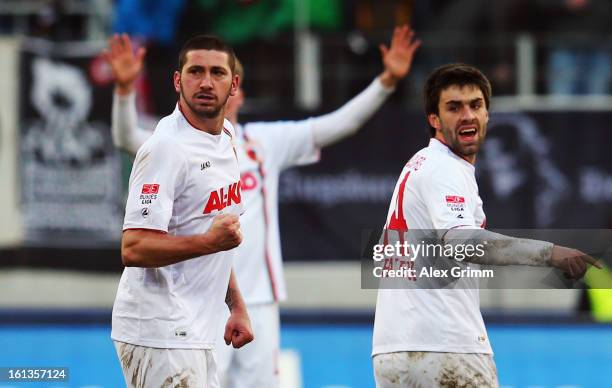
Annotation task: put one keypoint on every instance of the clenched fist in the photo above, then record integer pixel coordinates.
(238, 330)
(572, 261)
(225, 232)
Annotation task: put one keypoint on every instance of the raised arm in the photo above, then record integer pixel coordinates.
(345, 121)
(126, 66)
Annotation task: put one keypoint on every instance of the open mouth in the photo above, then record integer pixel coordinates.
(467, 134)
(204, 98)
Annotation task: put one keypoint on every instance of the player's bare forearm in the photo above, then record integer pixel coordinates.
(233, 297)
(151, 248)
(238, 330)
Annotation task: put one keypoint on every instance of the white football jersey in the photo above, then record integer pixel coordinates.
(436, 190)
(265, 149)
(181, 179)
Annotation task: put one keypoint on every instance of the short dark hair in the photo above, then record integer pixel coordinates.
(443, 77)
(206, 42)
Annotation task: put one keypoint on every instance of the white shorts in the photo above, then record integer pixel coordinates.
(433, 369)
(145, 367)
(255, 365)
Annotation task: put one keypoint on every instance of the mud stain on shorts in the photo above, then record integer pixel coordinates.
(126, 356)
(386, 374)
(416, 356)
(183, 379)
(135, 374)
(462, 375)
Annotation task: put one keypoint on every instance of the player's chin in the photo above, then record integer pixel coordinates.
(204, 106)
(469, 149)
(208, 111)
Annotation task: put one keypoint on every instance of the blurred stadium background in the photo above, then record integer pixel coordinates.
(546, 164)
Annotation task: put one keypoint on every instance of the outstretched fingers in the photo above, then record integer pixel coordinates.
(592, 261)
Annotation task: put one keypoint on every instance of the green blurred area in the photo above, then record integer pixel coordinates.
(240, 21)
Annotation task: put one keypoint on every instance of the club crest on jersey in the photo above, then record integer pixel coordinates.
(221, 198)
(416, 162)
(248, 181)
(455, 203)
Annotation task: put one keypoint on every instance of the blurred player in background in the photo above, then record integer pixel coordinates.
(265, 150)
(180, 231)
(436, 337)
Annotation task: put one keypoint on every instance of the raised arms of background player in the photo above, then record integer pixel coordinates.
(327, 129)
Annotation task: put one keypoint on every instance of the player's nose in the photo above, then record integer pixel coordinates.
(206, 81)
(467, 113)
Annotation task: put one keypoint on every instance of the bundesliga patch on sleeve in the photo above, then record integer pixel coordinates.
(149, 193)
(455, 203)
(150, 188)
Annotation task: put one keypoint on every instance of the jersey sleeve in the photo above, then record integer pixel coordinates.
(156, 180)
(350, 117)
(285, 143)
(447, 197)
(125, 131)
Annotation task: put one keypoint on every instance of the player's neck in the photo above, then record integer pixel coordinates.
(213, 125)
(469, 158)
(232, 117)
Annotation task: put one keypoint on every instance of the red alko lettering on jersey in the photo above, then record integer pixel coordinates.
(223, 197)
(150, 188)
(454, 199)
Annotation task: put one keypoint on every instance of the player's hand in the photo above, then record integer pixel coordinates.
(225, 232)
(572, 262)
(238, 330)
(397, 58)
(125, 64)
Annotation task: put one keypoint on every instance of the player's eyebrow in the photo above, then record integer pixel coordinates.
(195, 67)
(461, 102)
(200, 68)
(219, 68)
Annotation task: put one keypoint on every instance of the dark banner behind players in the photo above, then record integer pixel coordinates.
(70, 172)
(536, 170)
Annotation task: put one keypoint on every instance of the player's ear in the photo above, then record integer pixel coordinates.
(235, 83)
(177, 81)
(434, 121)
